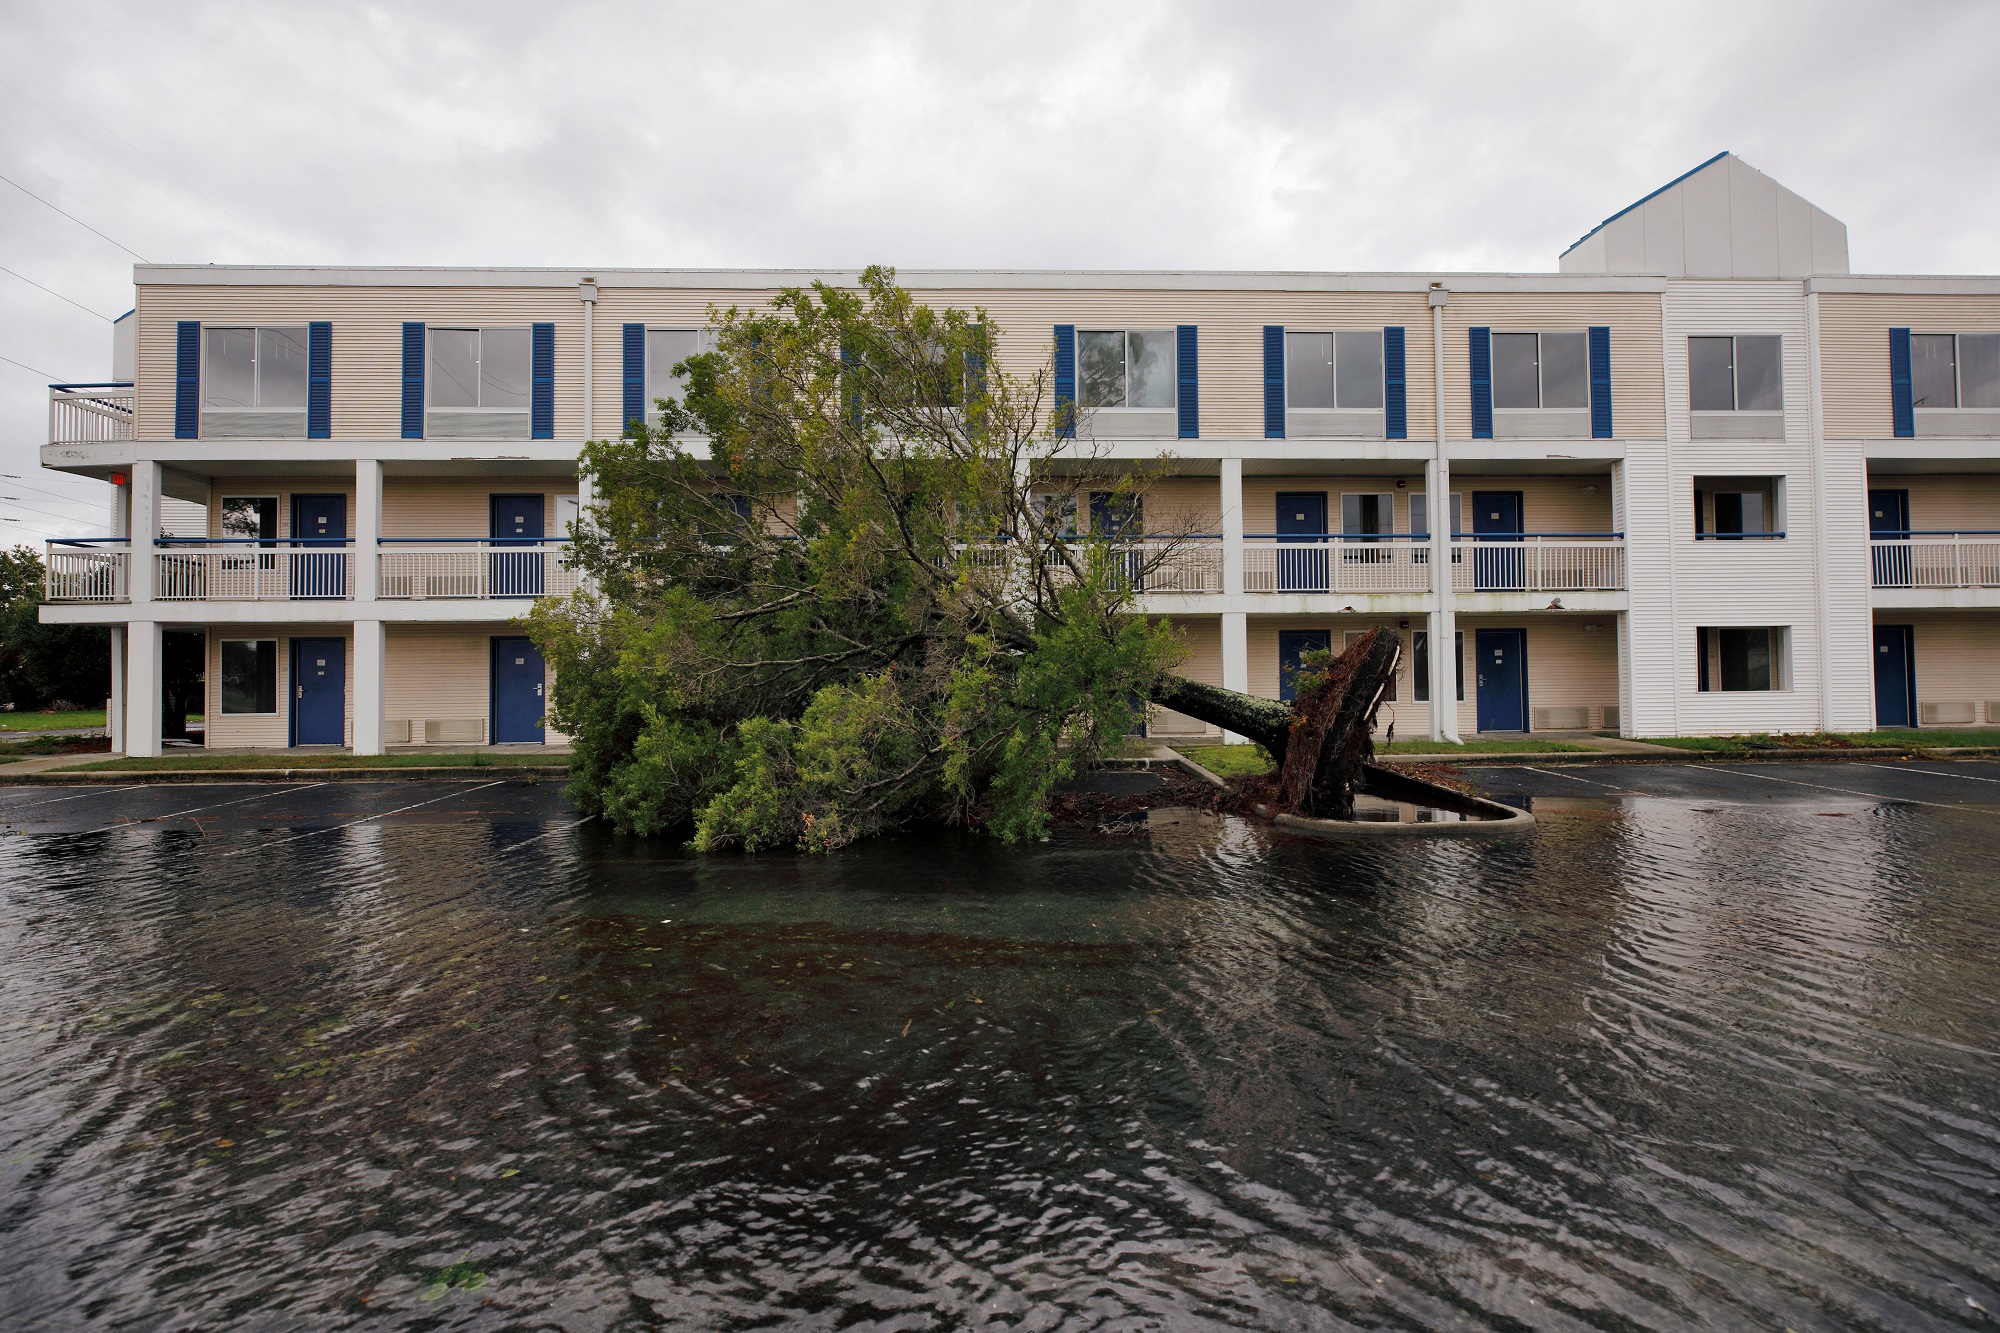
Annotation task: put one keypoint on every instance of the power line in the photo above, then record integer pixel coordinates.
(60, 518)
(53, 495)
(74, 218)
(57, 379)
(58, 295)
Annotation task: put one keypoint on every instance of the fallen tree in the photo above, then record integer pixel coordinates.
(855, 572)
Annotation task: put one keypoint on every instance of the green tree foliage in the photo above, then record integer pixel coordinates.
(865, 602)
(44, 664)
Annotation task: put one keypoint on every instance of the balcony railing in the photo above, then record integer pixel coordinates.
(1937, 560)
(1335, 563)
(252, 570)
(419, 570)
(1538, 562)
(86, 571)
(90, 413)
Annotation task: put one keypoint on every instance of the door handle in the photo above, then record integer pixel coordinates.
(1482, 679)
(538, 691)
(298, 691)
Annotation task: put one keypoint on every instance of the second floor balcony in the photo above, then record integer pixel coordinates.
(263, 570)
(1935, 560)
(91, 413)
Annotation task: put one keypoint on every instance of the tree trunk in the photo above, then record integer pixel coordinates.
(1321, 742)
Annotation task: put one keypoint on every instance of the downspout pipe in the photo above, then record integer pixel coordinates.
(1444, 655)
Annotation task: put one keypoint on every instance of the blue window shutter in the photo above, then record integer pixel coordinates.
(635, 374)
(1600, 381)
(1188, 368)
(413, 380)
(1902, 411)
(975, 368)
(542, 384)
(319, 380)
(1482, 383)
(1066, 380)
(187, 380)
(1395, 386)
(1274, 381)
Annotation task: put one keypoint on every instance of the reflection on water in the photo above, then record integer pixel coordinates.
(1659, 1065)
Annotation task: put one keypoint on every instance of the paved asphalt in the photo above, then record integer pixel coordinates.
(1913, 782)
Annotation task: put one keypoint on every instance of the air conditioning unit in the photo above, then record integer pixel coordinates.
(1611, 717)
(1993, 710)
(1957, 713)
(1565, 717)
(454, 730)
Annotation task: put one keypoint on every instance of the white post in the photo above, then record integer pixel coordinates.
(1445, 665)
(142, 689)
(114, 707)
(369, 668)
(587, 292)
(1235, 660)
(145, 519)
(367, 533)
(1232, 527)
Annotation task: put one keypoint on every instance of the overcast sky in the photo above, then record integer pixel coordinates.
(1023, 135)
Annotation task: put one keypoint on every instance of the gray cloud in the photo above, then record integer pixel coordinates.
(1075, 135)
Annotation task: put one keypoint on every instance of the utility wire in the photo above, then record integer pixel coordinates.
(58, 295)
(74, 218)
(53, 495)
(60, 518)
(55, 379)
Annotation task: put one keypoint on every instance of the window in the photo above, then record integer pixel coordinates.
(1125, 368)
(1736, 374)
(483, 370)
(1733, 508)
(1541, 370)
(254, 370)
(1955, 370)
(1735, 659)
(1420, 522)
(1420, 651)
(1329, 370)
(246, 517)
(665, 349)
(249, 675)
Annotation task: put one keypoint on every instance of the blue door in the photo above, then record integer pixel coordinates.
(1294, 644)
(1496, 553)
(1301, 519)
(1889, 521)
(1502, 661)
(517, 691)
(319, 691)
(319, 539)
(1895, 676)
(517, 522)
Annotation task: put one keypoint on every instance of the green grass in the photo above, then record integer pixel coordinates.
(41, 745)
(1484, 747)
(196, 762)
(1229, 761)
(82, 717)
(1926, 738)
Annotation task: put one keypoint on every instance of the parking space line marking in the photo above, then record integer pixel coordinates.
(1969, 777)
(94, 791)
(548, 833)
(1622, 791)
(149, 819)
(335, 828)
(1849, 791)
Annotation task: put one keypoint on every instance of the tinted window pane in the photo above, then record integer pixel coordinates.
(1358, 358)
(1420, 510)
(1309, 370)
(1760, 375)
(1711, 375)
(1153, 360)
(249, 676)
(1746, 658)
(1933, 378)
(1979, 369)
(229, 379)
(1566, 369)
(1100, 369)
(454, 371)
(1516, 371)
(665, 349)
(503, 369)
(1363, 515)
(247, 518)
(281, 368)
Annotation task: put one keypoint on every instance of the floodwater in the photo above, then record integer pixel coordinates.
(1710, 1048)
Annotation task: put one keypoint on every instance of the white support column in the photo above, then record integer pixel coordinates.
(367, 534)
(370, 663)
(145, 520)
(142, 689)
(1232, 527)
(1445, 663)
(114, 708)
(1235, 660)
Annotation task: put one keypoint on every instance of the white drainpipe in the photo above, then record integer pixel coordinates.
(1445, 665)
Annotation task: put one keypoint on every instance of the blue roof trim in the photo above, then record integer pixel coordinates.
(1654, 195)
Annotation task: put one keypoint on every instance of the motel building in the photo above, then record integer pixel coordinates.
(1701, 479)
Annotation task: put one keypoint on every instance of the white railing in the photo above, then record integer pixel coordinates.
(252, 571)
(1335, 564)
(1538, 563)
(90, 413)
(1938, 560)
(79, 572)
(475, 569)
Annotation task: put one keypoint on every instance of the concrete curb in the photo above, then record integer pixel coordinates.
(1567, 758)
(131, 776)
(1511, 821)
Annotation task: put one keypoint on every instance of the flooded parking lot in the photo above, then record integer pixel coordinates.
(1715, 1046)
